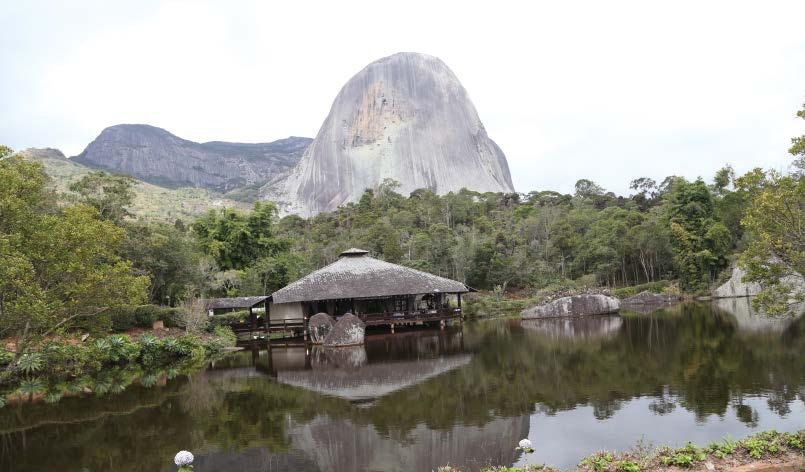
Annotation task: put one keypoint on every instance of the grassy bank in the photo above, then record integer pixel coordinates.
(760, 450)
(106, 364)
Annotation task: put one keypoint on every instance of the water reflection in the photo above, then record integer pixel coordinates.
(575, 328)
(415, 400)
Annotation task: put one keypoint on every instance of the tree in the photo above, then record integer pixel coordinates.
(700, 243)
(236, 240)
(58, 266)
(797, 148)
(111, 195)
(168, 256)
(776, 218)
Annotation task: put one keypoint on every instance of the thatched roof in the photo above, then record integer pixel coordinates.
(356, 275)
(232, 303)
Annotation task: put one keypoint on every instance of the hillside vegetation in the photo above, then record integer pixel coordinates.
(150, 201)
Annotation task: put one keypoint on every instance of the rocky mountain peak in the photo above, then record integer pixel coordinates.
(405, 117)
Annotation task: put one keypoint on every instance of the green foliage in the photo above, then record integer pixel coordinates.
(700, 242)
(58, 265)
(30, 363)
(661, 286)
(236, 240)
(142, 316)
(628, 466)
(599, 461)
(110, 195)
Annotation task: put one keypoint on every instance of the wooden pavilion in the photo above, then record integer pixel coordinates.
(378, 292)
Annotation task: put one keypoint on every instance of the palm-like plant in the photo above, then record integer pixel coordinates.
(30, 363)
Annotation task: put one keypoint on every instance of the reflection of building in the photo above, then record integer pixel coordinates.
(588, 327)
(334, 377)
(357, 373)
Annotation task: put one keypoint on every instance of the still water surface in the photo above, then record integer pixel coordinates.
(465, 396)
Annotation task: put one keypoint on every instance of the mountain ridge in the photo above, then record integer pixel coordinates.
(155, 155)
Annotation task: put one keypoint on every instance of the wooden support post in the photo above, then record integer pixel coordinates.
(252, 322)
(268, 318)
(460, 311)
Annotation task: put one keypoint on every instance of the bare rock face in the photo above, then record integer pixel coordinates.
(736, 287)
(157, 156)
(348, 331)
(575, 305)
(319, 327)
(405, 117)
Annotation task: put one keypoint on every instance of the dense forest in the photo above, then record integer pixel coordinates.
(66, 256)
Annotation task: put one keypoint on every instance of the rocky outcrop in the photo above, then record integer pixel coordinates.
(349, 330)
(405, 117)
(319, 327)
(736, 287)
(159, 157)
(650, 298)
(575, 305)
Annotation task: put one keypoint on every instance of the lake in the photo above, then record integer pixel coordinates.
(418, 399)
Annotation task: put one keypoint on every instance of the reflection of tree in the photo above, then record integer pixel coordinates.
(687, 357)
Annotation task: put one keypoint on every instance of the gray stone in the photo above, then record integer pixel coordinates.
(736, 287)
(349, 330)
(650, 298)
(319, 326)
(574, 305)
(159, 157)
(405, 117)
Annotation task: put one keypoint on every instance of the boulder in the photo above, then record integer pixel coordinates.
(347, 331)
(574, 305)
(649, 298)
(736, 287)
(319, 327)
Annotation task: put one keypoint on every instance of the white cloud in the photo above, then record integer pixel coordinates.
(603, 90)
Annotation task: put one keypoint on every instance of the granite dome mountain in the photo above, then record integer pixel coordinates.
(404, 117)
(154, 155)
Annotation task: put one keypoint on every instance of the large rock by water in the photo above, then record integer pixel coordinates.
(574, 305)
(349, 330)
(736, 287)
(319, 326)
(405, 117)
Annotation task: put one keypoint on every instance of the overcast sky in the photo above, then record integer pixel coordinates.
(604, 90)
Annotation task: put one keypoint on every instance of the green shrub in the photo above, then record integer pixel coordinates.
(599, 461)
(628, 466)
(227, 319)
(123, 319)
(6, 357)
(655, 287)
(223, 337)
(170, 317)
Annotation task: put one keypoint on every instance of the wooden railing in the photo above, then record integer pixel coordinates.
(410, 317)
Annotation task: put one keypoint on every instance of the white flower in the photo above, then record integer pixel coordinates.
(524, 444)
(183, 458)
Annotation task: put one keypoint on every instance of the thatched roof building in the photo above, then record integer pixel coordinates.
(356, 275)
(233, 303)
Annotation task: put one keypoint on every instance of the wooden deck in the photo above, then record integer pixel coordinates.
(298, 326)
(378, 319)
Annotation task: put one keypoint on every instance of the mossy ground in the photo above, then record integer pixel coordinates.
(768, 447)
